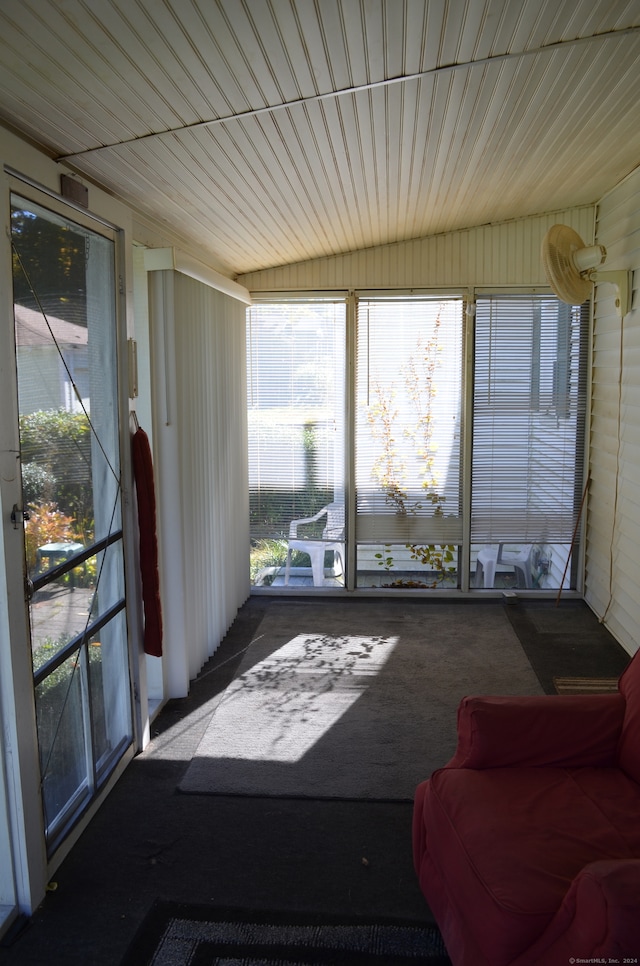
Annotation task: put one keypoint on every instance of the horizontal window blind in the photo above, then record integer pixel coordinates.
(296, 351)
(408, 419)
(528, 418)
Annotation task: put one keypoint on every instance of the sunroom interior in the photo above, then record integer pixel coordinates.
(305, 258)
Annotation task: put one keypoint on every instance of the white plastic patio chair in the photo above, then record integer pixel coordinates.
(332, 539)
(489, 558)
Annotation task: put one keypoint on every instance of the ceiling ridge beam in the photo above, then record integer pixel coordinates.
(356, 89)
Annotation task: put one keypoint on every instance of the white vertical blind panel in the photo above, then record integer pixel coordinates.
(207, 418)
(213, 462)
(612, 579)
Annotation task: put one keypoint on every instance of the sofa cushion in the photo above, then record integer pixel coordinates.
(629, 747)
(566, 731)
(510, 841)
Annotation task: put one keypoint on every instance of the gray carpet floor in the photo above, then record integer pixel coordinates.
(150, 841)
(355, 701)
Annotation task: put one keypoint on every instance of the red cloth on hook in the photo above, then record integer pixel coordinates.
(146, 500)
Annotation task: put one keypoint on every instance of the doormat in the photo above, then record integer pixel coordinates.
(354, 703)
(585, 685)
(173, 934)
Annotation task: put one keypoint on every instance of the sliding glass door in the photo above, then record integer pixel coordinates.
(65, 336)
(408, 438)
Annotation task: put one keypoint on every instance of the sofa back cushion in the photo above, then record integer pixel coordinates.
(629, 747)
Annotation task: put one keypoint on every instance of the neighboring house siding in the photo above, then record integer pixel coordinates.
(612, 575)
(40, 385)
(491, 255)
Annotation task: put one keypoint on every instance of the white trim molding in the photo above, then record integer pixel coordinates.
(162, 259)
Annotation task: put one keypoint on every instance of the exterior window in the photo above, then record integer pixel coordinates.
(447, 474)
(296, 391)
(528, 431)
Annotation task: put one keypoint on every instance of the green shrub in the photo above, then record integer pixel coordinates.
(47, 650)
(267, 554)
(56, 458)
(37, 483)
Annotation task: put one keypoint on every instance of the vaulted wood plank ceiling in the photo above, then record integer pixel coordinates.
(273, 131)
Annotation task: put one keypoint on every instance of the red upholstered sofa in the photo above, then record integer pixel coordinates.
(527, 843)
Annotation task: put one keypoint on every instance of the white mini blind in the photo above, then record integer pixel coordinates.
(408, 418)
(528, 418)
(296, 352)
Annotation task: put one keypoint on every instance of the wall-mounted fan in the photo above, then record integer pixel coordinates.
(570, 267)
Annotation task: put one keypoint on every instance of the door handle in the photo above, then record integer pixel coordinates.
(19, 516)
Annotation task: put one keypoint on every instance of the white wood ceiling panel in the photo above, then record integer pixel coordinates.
(432, 36)
(517, 24)
(415, 34)
(329, 133)
(110, 60)
(184, 211)
(95, 82)
(336, 51)
(271, 190)
(276, 183)
(232, 60)
(393, 40)
(320, 136)
(258, 43)
(296, 133)
(269, 131)
(292, 41)
(165, 51)
(53, 78)
(473, 31)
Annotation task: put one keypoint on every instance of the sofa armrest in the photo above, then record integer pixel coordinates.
(565, 731)
(597, 921)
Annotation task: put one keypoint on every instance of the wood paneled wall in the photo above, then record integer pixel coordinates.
(612, 574)
(506, 254)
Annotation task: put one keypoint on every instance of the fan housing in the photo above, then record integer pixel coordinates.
(570, 267)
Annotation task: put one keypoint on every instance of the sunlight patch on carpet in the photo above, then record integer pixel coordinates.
(310, 682)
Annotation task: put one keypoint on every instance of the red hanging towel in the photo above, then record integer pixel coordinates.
(146, 499)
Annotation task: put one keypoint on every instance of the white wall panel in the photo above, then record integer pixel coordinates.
(502, 255)
(612, 575)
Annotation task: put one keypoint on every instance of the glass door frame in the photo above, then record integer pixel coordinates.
(33, 867)
(444, 294)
